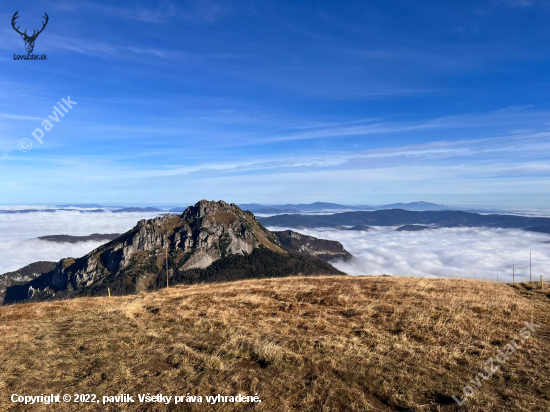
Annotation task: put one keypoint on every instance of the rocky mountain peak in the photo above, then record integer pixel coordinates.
(204, 234)
(205, 208)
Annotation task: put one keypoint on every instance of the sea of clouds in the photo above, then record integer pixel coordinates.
(475, 253)
(18, 233)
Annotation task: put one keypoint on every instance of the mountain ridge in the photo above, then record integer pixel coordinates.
(206, 233)
(325, 207)
(23, 275)
(253, 207)
(321, 248)
(399, 217)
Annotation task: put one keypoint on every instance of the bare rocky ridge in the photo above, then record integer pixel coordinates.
(23, 275)
(206, 233)
(321, 248)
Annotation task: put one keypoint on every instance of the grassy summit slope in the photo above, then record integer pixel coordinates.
(300, 343)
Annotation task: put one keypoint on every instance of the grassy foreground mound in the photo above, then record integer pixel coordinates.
(300, 343)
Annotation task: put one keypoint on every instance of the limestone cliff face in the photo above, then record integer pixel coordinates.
(216, 229)
(321, 248)
(203, 234)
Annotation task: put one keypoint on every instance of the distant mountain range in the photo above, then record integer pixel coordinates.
(101, 209)
(87, 205)
(316, 207)
(328, 207)
(210, 241)
(398, 217)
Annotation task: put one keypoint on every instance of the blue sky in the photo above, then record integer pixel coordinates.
(358, 102)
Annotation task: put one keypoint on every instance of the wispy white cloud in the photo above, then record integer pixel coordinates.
(514, 162)
(102, 49)
(507, 117)
(203, 10)
(87, 46)
(19, 117)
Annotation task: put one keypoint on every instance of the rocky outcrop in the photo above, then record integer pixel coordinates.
(321, 248)
(205, 233)
(24, 275)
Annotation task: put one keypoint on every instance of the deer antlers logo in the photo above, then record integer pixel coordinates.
(29, 40)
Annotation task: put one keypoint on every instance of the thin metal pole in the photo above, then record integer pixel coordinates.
(513, 270)
(530, 268)
(167, 284)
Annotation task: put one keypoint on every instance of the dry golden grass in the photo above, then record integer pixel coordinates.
(302, 344)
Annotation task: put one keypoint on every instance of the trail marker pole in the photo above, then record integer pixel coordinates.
(167, 284)
(109, 290)
(513, 270)
(530, 267)
(541, 284)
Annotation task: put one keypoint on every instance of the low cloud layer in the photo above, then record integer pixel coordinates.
(463, 252)
(18, 233)
(475, 253)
